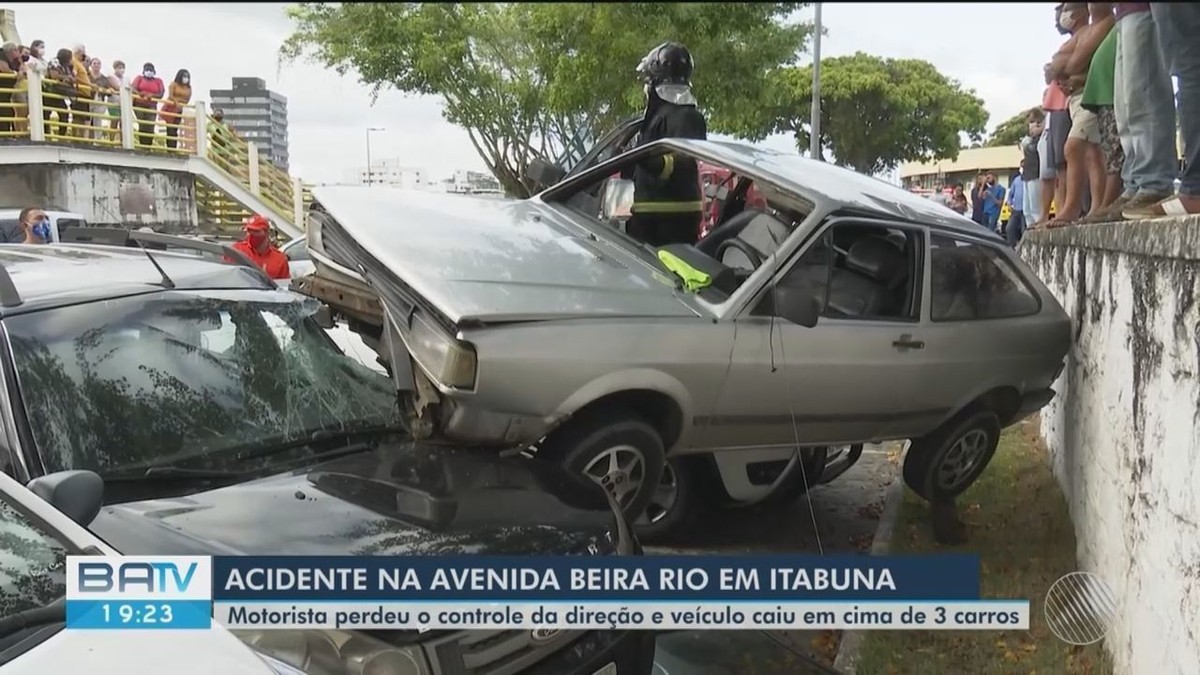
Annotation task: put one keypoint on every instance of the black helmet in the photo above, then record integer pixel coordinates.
(668, 63)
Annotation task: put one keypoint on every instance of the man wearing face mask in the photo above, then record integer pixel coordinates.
(33, 227)
(258, 247)
(667, 203)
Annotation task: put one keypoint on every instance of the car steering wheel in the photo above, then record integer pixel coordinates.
(756, 258)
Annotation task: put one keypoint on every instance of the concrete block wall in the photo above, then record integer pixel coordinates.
(105, 195)
(1124, 429)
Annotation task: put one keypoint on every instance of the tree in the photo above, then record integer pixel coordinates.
(1011, 130)
(877, 112)
(524, 79)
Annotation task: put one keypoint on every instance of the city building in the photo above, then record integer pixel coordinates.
(475, 182)
(258, 115)
(389, 172)
(1003, 161)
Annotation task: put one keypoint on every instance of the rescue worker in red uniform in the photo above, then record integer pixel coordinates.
(667, 203)
(258, 247)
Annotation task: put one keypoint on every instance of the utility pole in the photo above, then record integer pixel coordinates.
(814, 141)
(369, 130)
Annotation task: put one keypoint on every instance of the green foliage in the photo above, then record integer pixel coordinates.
(525, 78)
(1011, 130)
(877, 112)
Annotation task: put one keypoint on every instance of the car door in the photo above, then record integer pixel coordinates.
(852, 375)
(984, 322)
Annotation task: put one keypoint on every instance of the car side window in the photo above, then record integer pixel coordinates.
(859, 272)
(971, 281)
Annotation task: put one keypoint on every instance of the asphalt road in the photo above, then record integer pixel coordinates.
(845, 513)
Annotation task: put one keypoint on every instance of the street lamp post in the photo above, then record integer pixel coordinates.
(369, 130)
(814, 141)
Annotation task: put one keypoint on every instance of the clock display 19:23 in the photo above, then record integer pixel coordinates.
(138, 613)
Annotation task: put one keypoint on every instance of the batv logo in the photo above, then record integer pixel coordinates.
(151, 577)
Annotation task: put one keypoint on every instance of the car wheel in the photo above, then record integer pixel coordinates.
(946, 462)
(813, 462)
(617, 449)
(672, 503)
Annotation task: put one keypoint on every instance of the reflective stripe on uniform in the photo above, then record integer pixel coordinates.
(668, 161)
(667, 207)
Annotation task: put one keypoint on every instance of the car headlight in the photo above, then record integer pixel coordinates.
(334, 652)
(450, 362)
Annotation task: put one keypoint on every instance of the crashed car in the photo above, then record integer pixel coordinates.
(752, 365)
(222, 419)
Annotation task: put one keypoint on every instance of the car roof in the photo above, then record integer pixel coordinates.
(54, 275)
(832, 187)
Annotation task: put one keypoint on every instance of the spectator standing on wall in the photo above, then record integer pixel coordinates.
(81, 103)
(1098, 98)
(34, 63)
(179, 94)
(147, 88)
(1143, 106)
(1177, 25)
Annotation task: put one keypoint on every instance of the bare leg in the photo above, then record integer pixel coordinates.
(1049, 186)
(1076, 151)
(1113, 187)
(1095, 174)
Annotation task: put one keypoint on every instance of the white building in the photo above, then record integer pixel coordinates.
(390, 172)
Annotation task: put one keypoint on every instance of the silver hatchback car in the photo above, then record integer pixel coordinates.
(752, 365)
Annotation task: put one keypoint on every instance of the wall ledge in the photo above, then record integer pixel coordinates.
(1175, 237)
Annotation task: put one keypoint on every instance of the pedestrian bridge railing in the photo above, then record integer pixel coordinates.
(42, 110)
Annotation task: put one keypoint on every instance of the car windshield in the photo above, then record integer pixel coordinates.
(33, 564)
(187, 378)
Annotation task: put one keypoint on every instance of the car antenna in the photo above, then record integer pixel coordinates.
(166, 280)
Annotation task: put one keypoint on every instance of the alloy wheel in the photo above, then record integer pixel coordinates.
(663, 499)
(958, 464)
(621, 470)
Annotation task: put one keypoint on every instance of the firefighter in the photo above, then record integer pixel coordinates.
(667, 202)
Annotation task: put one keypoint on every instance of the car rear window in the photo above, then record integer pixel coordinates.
(972, 280)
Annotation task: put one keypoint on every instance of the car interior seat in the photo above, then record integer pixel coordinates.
(865, 286)
(726, 231)
(953, 285)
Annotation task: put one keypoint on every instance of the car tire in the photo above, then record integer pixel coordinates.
(801, 481)
(946, 462)
(673, 504)
(588, 443)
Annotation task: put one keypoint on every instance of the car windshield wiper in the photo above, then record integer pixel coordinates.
(169, 471)
(53, 613)
(317, 436)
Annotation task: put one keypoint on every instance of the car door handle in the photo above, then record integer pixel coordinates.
(906, 342)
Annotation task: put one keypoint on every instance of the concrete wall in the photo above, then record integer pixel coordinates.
(105, 195)
(1123, 430)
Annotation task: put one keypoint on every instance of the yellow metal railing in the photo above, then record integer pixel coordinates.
(122, 119)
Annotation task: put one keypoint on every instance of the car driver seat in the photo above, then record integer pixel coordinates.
(725, 231)
(874, 266)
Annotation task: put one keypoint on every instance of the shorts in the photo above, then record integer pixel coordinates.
(1046, 171)
(1085, 125)
(1110, 141)
(1059, 129)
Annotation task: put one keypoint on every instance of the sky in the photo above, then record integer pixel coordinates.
(997, 49)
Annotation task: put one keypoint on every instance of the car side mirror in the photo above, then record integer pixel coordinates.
(544, 174)
(78, 494)
(792, 304)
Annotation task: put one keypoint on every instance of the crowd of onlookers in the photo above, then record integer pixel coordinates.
(1103, 145)
(81, 98)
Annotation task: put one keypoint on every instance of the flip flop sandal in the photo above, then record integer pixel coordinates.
(1172, 206)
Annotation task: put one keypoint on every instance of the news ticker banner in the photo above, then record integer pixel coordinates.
(552, 592)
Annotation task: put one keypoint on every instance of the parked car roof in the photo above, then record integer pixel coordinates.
(51, 275)
(834, 188)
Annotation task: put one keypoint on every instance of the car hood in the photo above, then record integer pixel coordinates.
(487, 260)
(393, 501)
